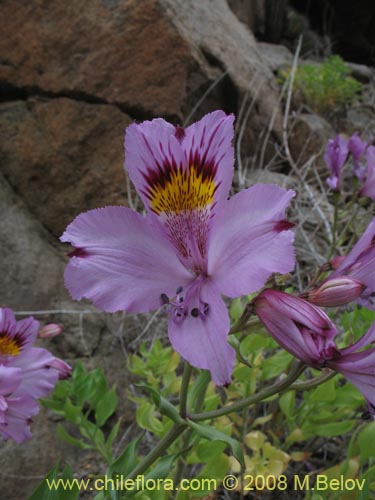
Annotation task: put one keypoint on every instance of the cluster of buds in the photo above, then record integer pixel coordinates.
(303, 329)
(338, 151)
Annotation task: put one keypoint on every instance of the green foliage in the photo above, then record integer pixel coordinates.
(264, 439)
(44, 491)
(86, 401)
(327, 86)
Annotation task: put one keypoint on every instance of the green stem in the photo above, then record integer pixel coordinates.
(205, 378)
(174, 432)
(184, 389)
(314, 382)
(334, 227)
(242, 321)
(281, 385)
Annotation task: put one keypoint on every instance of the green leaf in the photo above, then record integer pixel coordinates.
(113, 434)
(324, 392)
(45, 490)
(72, 412)
(127, 460)
(276, 364)
(214, 435)
(328, 429)
(106, 407)
(287, 403)
(146, 419)
(208, 450)
(65, 436)
(366, 441)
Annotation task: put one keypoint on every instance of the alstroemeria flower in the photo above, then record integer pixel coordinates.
(360, 265)
(16, 411)
(335, 157)
(26, 374)
(357, 147)
(191, 247)
(368, 188)
(307, 333)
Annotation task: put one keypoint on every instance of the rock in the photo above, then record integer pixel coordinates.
(250, 12)
(309, 135)
(362, 73)
(63, 156)
(216, 35)
(105, 50)
(151, 58)
(276, 56)
(275, 19)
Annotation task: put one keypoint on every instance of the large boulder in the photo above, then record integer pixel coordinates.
(63, 156)
(151, 58)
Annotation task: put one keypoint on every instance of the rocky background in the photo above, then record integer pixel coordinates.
(73, 75)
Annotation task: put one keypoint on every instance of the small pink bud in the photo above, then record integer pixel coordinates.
(337, 261)
(49, 331)
(335, 292)
(63, 369)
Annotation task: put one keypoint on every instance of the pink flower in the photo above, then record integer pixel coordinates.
(192, 246)
(359, 264)
(335, 157)
(307, 333)
(368, 188)
(357, 147)
(26, 374)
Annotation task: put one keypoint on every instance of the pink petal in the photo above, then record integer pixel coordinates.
(122, 262)
(359, 369)
(209, 141)
(203, 341)
(10, 379)
(38, 378)
(18, 418)
(364, 243)
(150, 149)
(248, 242)
(365, 340)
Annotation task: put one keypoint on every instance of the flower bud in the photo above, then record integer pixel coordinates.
(301, 328)
(335, 292)
(336, 261)
(63, 369)
(49, 331)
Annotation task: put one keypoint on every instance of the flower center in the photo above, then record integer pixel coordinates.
(186, 302)
(179, 190)
(9, 346)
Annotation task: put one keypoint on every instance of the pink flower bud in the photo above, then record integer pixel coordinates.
(337, 261)
(63, 369)
(335, 292)
(49, 331)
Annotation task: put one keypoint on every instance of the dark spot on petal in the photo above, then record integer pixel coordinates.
(164, 298)
(284, 225)
(194, 312)
(78, 252)
(179, 289)
(179, 133)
